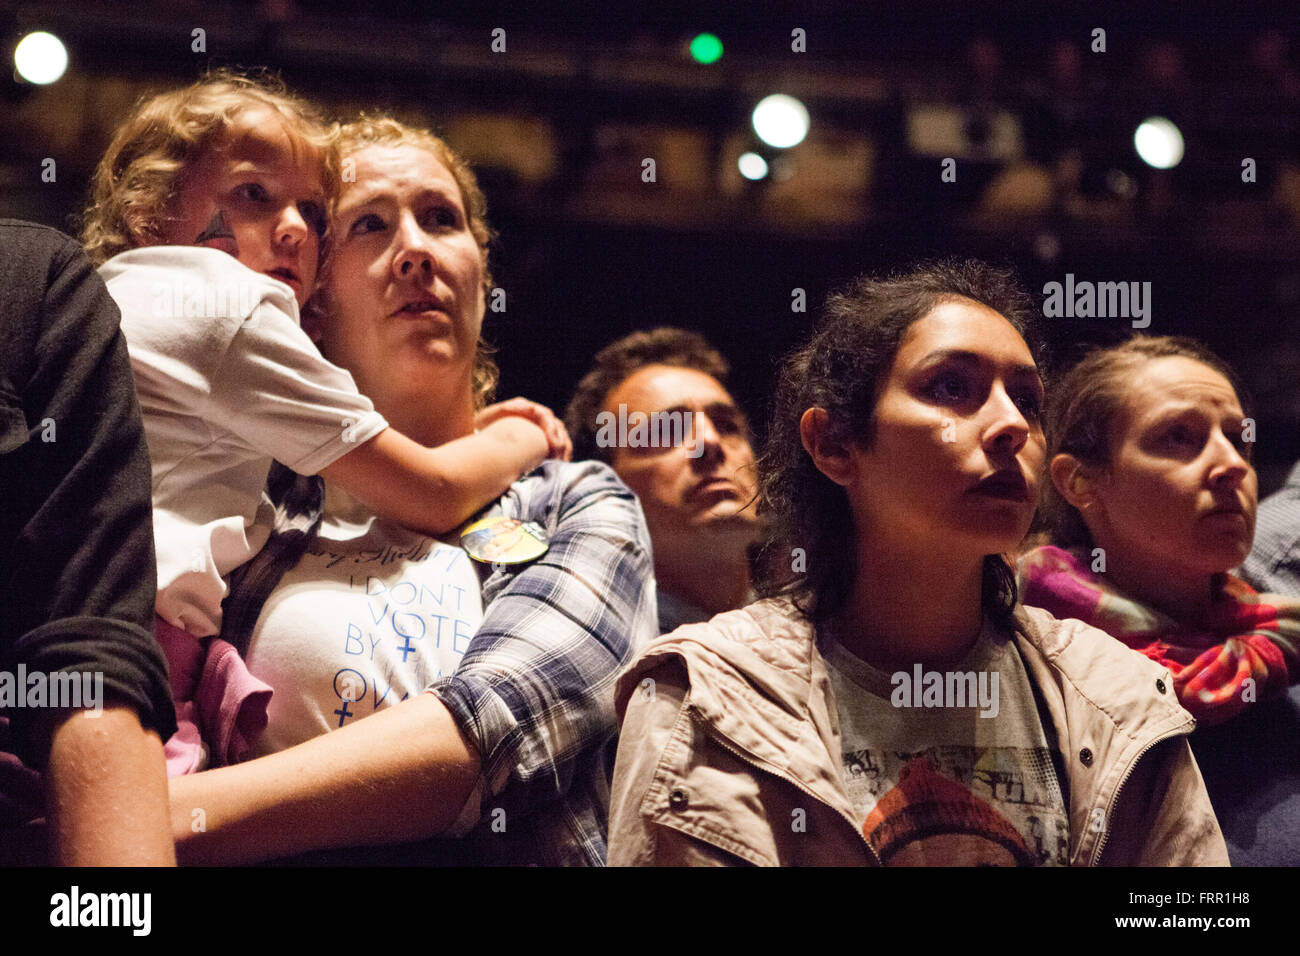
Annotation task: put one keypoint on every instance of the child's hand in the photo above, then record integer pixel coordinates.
(557, 436)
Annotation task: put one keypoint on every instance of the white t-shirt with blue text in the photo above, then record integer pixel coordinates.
(371, 615)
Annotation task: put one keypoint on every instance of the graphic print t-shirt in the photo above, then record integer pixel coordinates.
(371, 615)
(940, 785)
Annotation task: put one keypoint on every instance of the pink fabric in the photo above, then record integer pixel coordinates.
(184, 652)
(232, 703)
(1247, 646)
(220, 706)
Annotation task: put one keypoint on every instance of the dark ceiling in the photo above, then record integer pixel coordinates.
(585, 259)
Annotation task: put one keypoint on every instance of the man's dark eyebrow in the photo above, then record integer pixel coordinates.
(731, 408)
(730, 412)
(720, 410)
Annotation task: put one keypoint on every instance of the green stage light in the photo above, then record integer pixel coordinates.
(706, 48)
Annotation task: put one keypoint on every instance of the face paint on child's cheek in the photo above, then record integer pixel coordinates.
(217, 235)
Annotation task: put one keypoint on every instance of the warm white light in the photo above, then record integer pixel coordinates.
(1159, 143)
(752, 165)
(40, 58)
(780, 121)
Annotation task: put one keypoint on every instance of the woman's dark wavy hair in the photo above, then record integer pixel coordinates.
(843, 370)
(1087, 406)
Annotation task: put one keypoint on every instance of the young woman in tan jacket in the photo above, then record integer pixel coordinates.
(890, 701)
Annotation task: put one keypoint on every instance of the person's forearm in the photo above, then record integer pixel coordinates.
(479, 468)
(433, 490)
(106, 792)
(401, 774)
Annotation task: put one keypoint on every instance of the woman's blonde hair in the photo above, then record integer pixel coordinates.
(379, 130)
(167, 133)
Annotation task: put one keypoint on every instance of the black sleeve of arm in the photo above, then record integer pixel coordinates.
(77, 569)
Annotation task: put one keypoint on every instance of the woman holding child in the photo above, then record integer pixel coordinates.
(487, 688)
(904, 462)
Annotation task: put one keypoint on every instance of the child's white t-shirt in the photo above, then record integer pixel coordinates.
(227, 381)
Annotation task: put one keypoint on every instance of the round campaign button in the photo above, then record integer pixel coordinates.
(503, 540)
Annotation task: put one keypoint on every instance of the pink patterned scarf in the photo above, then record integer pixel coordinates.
(1246, 647)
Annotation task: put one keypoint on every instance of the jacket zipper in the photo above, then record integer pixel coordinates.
(1114, 797)
(763, 766)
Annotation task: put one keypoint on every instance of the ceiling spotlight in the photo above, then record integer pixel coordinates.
(1159, 143)
(752, 166)
(780, 121)
(40, 58)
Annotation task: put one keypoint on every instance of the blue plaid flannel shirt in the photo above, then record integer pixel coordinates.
(535, 688)
(1273, 565)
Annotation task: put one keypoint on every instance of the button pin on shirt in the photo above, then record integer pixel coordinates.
(501, 540)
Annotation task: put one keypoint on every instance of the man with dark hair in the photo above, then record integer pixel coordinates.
(655, 408)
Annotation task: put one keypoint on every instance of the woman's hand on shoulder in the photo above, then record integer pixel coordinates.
(557, 436)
